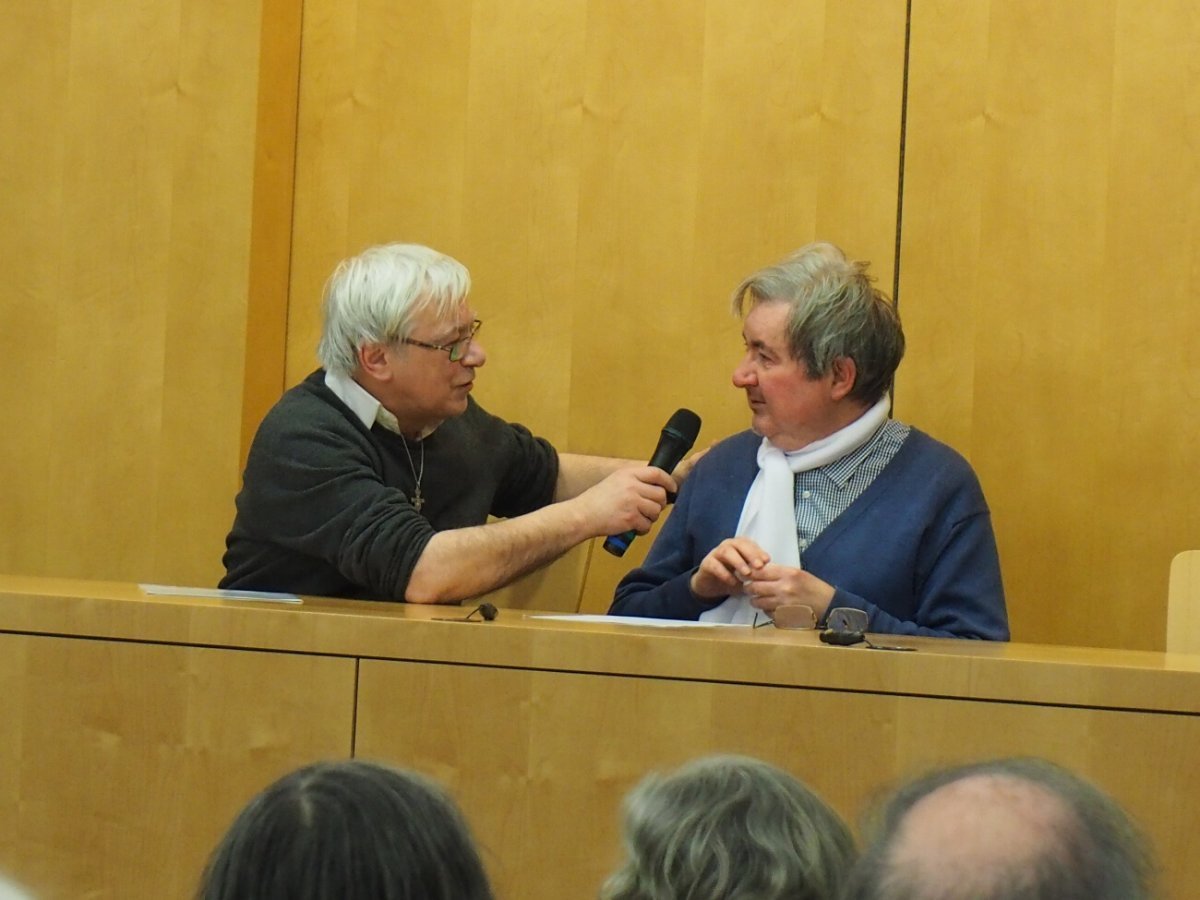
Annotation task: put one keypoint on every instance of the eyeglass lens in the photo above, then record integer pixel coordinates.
(459, 348)
(846, 619)
(794, 616)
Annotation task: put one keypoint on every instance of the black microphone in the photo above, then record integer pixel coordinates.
(676, 440)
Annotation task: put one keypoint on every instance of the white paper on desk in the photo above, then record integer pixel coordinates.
(172, 590)
(638, 620)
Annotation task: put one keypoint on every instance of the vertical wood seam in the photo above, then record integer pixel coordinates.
(271, 234)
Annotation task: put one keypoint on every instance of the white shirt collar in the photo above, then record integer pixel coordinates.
(365, 407)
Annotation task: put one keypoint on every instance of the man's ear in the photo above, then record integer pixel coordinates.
(845, 373)
(373, 362)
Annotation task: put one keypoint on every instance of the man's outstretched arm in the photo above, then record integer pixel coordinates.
(599, 496)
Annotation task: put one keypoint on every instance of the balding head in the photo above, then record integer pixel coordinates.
(988, 828)
(1019, 829)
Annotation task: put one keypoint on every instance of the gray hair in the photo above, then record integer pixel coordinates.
(352, 830)
(729, 828)
(373, 297)
(1089, 849)
(835, 312)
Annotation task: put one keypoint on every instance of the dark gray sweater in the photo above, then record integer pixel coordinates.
(324, 507)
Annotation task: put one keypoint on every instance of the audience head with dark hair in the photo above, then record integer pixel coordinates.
(1010, 829)
(347, 830)
(729, 828)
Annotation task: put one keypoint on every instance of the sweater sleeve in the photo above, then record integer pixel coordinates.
(530, 474)
(704, 514)
(916, 550)
(960, 595)
(317, 491)
(659, 589)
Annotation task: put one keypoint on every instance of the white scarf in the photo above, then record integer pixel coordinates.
(769, 514)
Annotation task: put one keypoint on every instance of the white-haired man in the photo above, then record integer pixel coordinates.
(375, 477)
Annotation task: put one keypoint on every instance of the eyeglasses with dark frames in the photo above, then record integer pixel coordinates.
(845, 627)
(457, 349)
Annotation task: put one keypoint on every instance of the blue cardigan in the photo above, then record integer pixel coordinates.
(915, 551)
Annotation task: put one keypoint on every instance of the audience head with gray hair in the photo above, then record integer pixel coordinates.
(350, 830)
(1011, 829)
(835, 312)
(729, 828)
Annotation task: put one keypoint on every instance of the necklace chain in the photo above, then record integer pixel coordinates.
(417, 501)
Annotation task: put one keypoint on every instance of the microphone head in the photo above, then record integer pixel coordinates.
(488, 611)
(685, 425)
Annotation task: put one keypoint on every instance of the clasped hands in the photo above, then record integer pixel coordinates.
(740, 566)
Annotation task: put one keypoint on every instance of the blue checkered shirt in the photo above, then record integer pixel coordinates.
(825, 493)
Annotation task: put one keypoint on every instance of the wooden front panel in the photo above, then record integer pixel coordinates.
(122, 764)
(540, 760)
(1047, 283)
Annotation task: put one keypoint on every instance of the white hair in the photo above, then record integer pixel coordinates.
(373, 297)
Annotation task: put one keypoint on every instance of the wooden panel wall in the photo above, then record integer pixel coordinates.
(1050, 246)
(126, 159)
(271, 228)
(609, 172)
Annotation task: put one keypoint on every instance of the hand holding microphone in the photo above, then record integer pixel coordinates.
(677, 438)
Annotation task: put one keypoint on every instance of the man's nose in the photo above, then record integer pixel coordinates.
(475, 356)
(743, 374)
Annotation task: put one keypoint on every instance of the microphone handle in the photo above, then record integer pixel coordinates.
(617, 544)
(672, 447)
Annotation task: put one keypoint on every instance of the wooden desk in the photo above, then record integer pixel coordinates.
(136, 727)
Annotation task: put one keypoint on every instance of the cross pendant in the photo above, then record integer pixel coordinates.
(418, 501)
